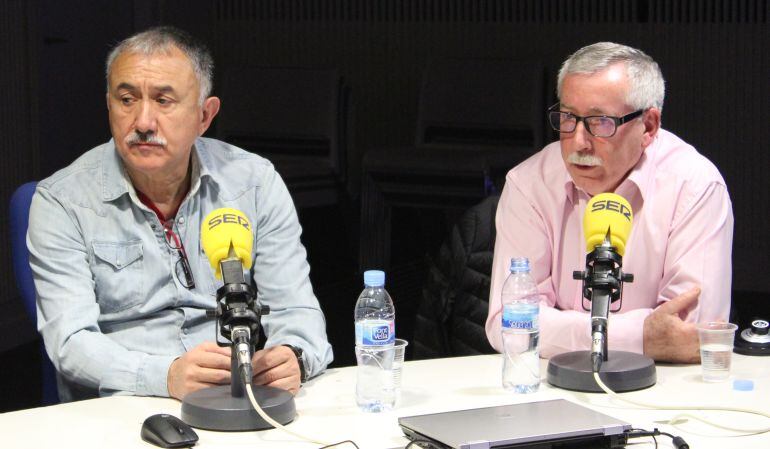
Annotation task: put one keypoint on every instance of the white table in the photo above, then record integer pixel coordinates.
(327, 410)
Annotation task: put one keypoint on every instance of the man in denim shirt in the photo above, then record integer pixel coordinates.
(109, 234)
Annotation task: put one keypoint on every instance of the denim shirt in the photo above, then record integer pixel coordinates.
(113, 314)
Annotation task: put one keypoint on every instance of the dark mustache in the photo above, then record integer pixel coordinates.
(147, 137)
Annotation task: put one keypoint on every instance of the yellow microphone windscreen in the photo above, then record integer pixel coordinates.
(603, 211)
(222, 228)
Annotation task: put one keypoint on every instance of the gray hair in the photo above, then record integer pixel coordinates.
(161, 40)
(646, 86)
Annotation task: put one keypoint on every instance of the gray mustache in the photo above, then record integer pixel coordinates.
(584, 159)
(147, 138)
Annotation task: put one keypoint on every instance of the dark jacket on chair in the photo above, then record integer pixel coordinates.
(450, 319)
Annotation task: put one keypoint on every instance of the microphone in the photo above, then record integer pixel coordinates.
(227, 240)
(606, 224)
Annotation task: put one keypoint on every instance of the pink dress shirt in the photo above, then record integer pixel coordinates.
(681, 237)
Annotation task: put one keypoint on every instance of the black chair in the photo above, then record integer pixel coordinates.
(481, 103)
(298, 118)
(477, 118)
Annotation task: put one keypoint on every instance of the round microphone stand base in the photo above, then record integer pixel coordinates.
(623, 371)
(216, 408)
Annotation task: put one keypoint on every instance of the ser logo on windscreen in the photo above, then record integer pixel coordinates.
(216, 220)
(613, 206)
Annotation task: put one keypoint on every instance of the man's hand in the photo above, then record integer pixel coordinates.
(203, 366)
(667, 338)
(276, 367)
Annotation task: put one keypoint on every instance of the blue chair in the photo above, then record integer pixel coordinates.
(19, 221)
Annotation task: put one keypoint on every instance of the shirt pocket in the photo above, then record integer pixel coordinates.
(117, 269)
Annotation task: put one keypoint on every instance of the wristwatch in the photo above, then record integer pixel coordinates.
(300, 354)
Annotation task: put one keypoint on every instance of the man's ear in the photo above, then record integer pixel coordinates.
(209, 110)
(107, 99)
(651, 120)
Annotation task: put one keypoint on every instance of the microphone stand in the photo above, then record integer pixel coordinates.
(602, 285)
(238, 322)
(619, 370)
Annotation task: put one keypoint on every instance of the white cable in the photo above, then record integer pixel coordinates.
(275, 423)
(690, 407)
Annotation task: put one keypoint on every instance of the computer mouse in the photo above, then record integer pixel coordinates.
(166, 430)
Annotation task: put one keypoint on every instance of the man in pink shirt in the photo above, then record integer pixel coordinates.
(679, 250)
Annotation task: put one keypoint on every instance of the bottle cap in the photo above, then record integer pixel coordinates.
(743, 385)
(519, 264)
(374, 278)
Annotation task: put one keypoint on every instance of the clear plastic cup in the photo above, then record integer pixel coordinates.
(398, 362)
(378, 384)
(716, 349)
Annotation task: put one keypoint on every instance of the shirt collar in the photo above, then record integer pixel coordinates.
(570, 189)
(205, 169)
(115, 180)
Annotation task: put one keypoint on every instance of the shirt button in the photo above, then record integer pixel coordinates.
(184, 331)
(181, 220)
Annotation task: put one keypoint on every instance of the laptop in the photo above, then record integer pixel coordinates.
(545, 424)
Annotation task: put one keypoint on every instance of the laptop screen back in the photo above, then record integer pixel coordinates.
(512, 425)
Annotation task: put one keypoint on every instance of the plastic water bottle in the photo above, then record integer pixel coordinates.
(521, 331)
(375, 337)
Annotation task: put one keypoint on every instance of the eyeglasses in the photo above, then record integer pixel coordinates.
(182, 269)
(596, 125)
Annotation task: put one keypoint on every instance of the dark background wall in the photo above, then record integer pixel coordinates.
(714, 55)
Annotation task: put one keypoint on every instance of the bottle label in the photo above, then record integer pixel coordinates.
(375, 333)
(521, 316)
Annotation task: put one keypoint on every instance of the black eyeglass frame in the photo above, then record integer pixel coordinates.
(617, 120)
(188, 281)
